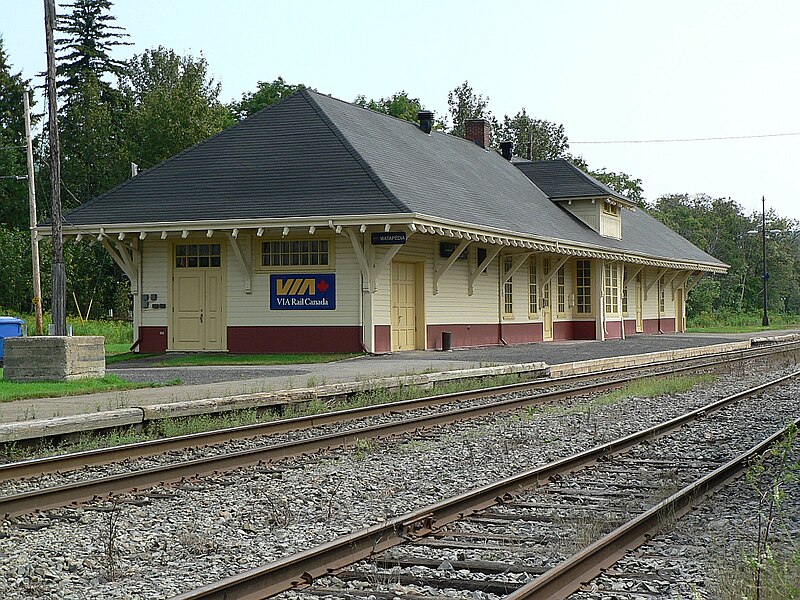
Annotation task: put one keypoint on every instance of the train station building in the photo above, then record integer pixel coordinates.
(316, 225)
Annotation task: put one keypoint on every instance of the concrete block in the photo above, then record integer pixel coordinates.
(54, 358)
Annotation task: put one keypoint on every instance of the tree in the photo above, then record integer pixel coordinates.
(93, 147)
(266, 94)
(622, 183)
(174, 105)
(398, 105)
(465, 104)
(13, 191)
(535, 139)
(85, 50)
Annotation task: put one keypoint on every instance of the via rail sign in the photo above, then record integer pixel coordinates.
(302, 291)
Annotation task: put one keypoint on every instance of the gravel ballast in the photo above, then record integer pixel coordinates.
(224, 524)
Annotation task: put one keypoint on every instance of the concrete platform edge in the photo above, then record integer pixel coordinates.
(26, 430)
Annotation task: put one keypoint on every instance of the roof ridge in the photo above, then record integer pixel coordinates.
(379, 183)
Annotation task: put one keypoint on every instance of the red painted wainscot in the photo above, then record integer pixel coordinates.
(255, 340)
(613, 330)
(153, 340)
(574, 330)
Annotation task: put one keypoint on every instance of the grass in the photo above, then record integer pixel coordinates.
(10, 390)
(740, 322)
(196, 424)
(646, 388)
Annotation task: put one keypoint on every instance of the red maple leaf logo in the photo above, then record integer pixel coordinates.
(322, 286)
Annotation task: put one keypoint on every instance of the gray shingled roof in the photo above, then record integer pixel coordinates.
(561, 180)
(315, 156)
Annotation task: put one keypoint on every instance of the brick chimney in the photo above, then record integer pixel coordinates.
(478, 131)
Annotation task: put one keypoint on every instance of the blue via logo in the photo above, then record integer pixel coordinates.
(302, 292)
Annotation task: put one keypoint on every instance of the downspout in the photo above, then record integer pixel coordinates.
(619, 300)
(500, 299)
(658, 301)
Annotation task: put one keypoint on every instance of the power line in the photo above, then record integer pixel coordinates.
(698, 139)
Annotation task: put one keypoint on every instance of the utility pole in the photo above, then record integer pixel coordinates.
(37, 283)
(59, 271)
(765, 275)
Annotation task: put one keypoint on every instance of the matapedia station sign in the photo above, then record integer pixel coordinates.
(302, 291)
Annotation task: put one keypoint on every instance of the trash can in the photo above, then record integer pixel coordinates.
(447, 341)
(10, 327)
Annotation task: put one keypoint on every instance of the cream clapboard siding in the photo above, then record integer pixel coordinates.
(254, 309)
(650, 305)
(453, 304)
(586, 211)
(155, 280)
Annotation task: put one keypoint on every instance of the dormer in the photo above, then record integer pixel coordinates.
(592, 202)
(604, 215)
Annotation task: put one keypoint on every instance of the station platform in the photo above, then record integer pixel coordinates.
(223, 384)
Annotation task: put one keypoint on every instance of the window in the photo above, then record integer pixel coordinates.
(612, 289)
(583, 287)
(508, 288)
(197, 255)
(661, 295)
(561, 290)
(610, 209)
(624, 292)
(533, 290)
(546, 287)
(295, 253)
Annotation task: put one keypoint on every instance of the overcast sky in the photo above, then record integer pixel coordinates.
(607, 70)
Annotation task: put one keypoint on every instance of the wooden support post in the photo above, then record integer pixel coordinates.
(37, 279)
(244, 262)
(442, 269)
(59, 279)
(647, 286)
(490, 256)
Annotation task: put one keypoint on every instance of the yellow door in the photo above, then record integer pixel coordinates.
(547, 308)
(639, 318)
(404, 309)
(189, 294)
(198, 293)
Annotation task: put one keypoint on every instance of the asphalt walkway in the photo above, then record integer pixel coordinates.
(211, 382)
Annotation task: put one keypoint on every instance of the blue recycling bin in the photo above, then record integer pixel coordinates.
(10, 327)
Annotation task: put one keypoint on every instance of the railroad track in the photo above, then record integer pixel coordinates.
(80, 460)
(182, 470)
(522, 520)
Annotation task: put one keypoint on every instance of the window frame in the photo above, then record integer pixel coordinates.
(611, 289)
(258, 254)
(561, 292)
(533, 287)
(578, 287)
(198, 254)
(508, 288)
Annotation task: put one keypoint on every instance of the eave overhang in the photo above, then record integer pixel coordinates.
(413, 222)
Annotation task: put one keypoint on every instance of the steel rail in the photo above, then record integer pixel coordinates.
(100, 456)
(55, 496)
(63, 495)
(568, 576)
(300, 569)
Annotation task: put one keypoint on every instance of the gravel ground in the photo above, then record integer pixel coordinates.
(224, 524)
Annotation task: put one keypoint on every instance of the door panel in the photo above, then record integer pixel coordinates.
(547, 305)
(404, 314)
(639, 317)
(214, 323)
(198, 296)
(189, 293)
